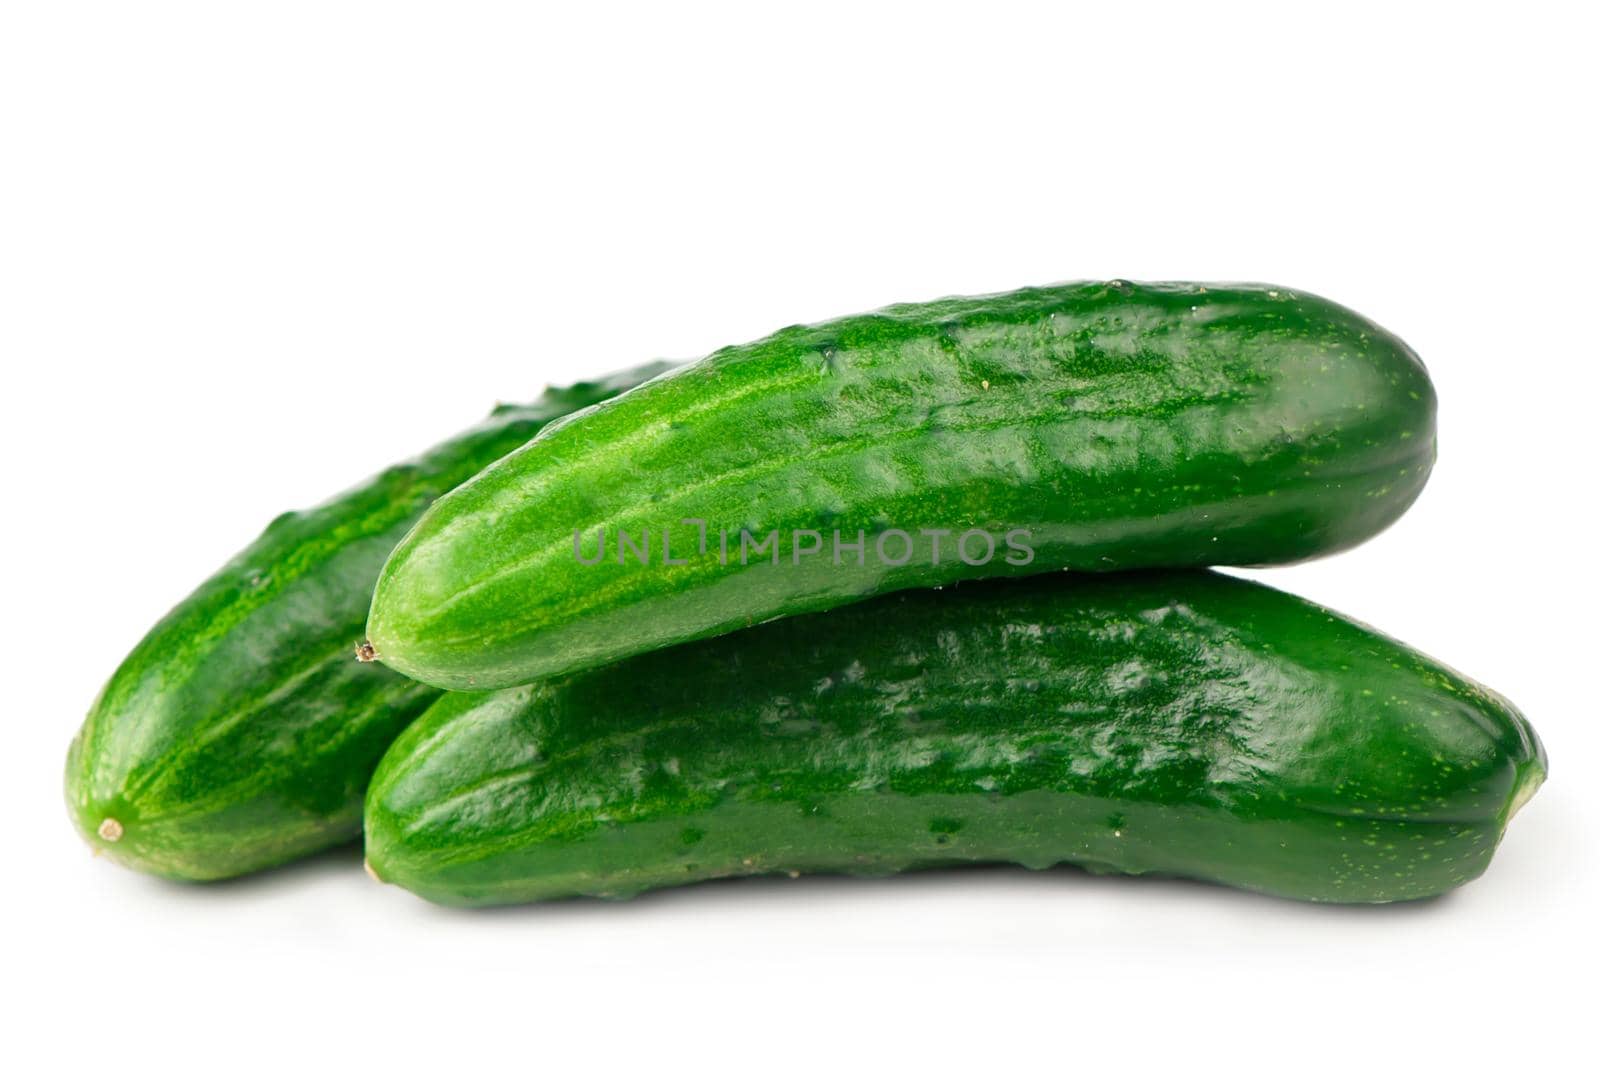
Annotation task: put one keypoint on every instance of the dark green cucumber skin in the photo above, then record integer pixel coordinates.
(1123, 425)
(240, 733)
(1183, 723)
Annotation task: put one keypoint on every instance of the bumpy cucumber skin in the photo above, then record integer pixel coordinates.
(1182, 723)
(241, 731)
(1124, 425)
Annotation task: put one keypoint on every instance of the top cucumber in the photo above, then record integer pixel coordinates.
(241, 731)
(1093, 426)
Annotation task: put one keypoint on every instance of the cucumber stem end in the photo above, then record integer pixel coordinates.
(1528, 781)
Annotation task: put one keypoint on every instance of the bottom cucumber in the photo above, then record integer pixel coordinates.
(1178, 723)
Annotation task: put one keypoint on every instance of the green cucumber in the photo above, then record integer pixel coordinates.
(1182, 723)
(241, 731)
(1091, 426)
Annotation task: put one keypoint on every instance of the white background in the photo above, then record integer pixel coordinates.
(250, 253)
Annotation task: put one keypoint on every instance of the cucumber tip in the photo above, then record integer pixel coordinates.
(110, 830)
(1530, 777)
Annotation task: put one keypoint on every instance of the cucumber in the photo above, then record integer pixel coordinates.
(241, 731)
(1182, 723)
(1091, 426)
